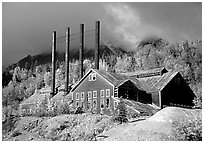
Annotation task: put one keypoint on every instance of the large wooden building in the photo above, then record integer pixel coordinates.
(100, 90)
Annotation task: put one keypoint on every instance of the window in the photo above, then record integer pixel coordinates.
(94, 103)
(107, 103)
(90, 77)
(102, 93)
(115, 104)
(77, 96)
(89, 94)
(94, 77)
(89, 104)
(77, 103)
(82, 95)
(102, 103)
(107, 92)
(82, 103)
(94, 94)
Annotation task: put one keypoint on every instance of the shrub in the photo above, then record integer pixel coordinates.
(79, 110)
(191, 131)
(8, 123)
(121, 116)
(47, 78)
(46, 107)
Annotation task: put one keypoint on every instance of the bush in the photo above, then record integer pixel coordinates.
(8, 124)
(121, 117)
(47, 79)
(191, 131)
(46, 108)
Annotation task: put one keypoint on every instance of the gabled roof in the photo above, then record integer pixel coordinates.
(149, 84)
(157, 83)
(115, 79)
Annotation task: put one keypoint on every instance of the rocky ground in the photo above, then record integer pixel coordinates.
(100, 127)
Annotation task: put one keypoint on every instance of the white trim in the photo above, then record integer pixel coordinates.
(81, 79)
(106, 79)
(160, 103)
(95, 94)
(107, 91)
(86, 76)
(89, 101)
(90, 77)
(102, 95)
(96, 103)
(93, 75)
(115, 93)
(72, 96)
(77, 96)
(115, 103)
(89, 94)
(102, 101)
(78, 104)
(108, 103)
(172, 76)
(83, 95)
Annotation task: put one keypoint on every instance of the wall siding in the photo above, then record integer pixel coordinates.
(99, 84)
(174, 93)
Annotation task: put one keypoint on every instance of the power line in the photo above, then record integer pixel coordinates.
(86, 31)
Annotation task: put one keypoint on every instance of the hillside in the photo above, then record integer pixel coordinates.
(100, 127)
(44, 58)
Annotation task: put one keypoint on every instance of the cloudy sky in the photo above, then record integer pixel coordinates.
(27, 27)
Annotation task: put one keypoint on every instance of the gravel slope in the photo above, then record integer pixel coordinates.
(156, 128)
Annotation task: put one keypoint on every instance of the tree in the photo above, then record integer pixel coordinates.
(121, 117)
(47, 79)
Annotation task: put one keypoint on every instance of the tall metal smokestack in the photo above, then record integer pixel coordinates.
(53, 62)
(68, 33)
(97, 38)
(81, 50)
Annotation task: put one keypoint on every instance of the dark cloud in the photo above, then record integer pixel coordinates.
(27, 27)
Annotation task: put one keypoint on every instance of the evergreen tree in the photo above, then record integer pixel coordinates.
(122, 112)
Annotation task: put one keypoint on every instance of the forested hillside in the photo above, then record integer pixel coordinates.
(20, 82)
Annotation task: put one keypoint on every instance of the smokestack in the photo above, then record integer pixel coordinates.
(68, 33)
(53, 62)
(81, 50)
(97, 38)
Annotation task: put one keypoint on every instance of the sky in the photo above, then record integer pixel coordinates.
(27, 27)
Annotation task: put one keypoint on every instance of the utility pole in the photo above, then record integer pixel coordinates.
(97, 40)
(81, 50)
(68, 36)
(53, 62)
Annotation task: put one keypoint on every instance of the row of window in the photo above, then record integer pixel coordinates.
(102, 94)
(95, 103)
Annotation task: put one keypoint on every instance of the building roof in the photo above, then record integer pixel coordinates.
(114, 78)
(153, 80)
(146, 73)
(156, 83)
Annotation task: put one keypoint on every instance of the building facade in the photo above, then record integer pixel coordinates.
(100, 90)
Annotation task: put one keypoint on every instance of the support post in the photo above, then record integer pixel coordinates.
(160, 100)
(53, 62)
(97, 40)
(81, 50)
(68, 34)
